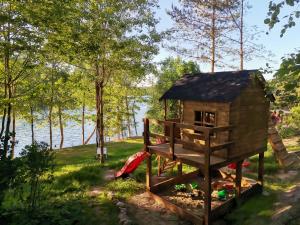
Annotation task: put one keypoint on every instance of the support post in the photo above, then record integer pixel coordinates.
(172, 140)
(238, 179)
(165, 108)
(149, 173)
(159, 166)
(207, 180)
(179, 169)
(146, 134)
(261, 168)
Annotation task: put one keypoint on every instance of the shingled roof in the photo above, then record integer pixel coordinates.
(210, 87)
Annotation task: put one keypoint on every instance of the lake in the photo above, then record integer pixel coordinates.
(72, 132)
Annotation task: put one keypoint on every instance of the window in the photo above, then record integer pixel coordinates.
(206, 119)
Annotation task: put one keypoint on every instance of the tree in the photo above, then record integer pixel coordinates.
(110, 36)
(171, 70)
(20, 43)
(198, 30)
(286, 82)
(275, 11)
(242, 37)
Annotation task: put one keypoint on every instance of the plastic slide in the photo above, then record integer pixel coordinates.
(132, 163)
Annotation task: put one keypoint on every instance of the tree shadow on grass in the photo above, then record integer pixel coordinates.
(81, 179)
(66, 210)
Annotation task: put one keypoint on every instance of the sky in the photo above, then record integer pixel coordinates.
(273, 42)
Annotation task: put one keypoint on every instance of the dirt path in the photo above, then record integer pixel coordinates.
(145, 211)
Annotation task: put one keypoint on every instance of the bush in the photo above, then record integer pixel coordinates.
(294, 118)
(36, 171)
(286, 132)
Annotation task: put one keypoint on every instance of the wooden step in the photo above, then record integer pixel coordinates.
(275, 138)
(289, 162)
(272, 130)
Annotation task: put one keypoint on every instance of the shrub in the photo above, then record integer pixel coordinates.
(37, 170)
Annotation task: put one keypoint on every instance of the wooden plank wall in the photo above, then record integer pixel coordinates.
(222, 117)
(249, 113)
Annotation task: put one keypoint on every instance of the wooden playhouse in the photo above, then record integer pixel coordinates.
(222, 119)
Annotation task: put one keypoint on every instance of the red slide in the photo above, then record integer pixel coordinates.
(132, 163)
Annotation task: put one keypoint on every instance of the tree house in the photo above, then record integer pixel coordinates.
(222, 119)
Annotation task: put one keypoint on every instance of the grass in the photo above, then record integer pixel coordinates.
(259, 209)
(77, 172)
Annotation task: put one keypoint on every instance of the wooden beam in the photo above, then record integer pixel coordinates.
(146, 133)
(172, 141)
(221, 128)
(159, 165)
(207, 181)
(221, 146)
(238, 158)
(196, 220)
(165, 109)
(179, 169)
(261, 168)
(238, 178)
(149, 172)
(155, 188)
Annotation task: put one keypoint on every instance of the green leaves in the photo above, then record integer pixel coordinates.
(275, 11)
(286, 82)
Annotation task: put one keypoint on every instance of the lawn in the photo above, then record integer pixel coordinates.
(78, 172)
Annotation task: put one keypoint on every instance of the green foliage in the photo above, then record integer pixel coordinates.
(294, 118)
(288, 131)
(8, 171)
(36, 171)
(286, 82)
(275, 8)
(171, 70)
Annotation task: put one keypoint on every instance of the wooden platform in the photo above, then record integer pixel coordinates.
(183, 155)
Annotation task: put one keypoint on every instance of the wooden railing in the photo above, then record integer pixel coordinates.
(206, 133)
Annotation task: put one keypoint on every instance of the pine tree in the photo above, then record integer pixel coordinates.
(199, 25)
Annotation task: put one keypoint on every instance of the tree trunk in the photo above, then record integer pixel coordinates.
(32, 124)
(128, 116)
(82, 123)
(8, 85)
(134, 120)
(89, 138)
(7, 130)
(50, 127)
(50, 110)
(242, 37)
(13, 144)
(213, 37)
(99, 120)
(61, 128)
(3, 122)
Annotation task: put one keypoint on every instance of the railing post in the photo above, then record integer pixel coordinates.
(207, 177)
(146, 134)
(149, 159)
(172, 139)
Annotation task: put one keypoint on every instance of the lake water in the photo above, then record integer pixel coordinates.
(72, 132)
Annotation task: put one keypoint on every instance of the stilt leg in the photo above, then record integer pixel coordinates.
(261, 168)
(207, 200)
(179, 169)
(149, 172)
(238, 178)
(158, 166)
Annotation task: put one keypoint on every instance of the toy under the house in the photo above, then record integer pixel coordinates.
(180, 187)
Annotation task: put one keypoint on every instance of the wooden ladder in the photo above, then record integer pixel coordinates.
(284, 158)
